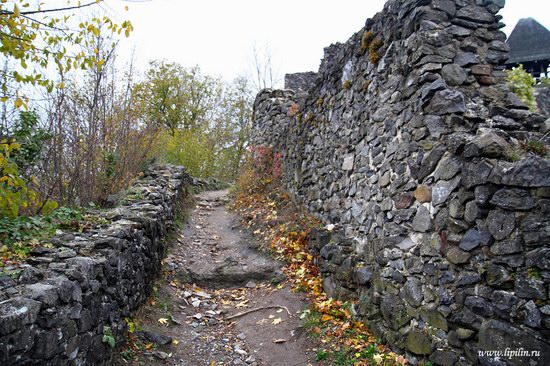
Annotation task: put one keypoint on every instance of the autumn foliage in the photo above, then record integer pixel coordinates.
(267, 210)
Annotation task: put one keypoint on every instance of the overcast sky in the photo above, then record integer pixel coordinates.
(219, 35)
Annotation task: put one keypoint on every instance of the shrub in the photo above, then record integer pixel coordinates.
(522, 83)
(374, 55)
(366, 40)
(263, 168)
(14, 194)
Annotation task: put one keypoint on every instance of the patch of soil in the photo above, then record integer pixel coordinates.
(220, 301)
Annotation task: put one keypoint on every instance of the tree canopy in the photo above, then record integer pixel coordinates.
(35, 37)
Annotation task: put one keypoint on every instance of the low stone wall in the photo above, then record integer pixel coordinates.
(300, 81)
(83, 285)
(412, 146)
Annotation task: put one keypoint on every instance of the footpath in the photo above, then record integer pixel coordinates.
(220, 301)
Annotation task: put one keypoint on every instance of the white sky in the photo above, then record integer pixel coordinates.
(219, 35)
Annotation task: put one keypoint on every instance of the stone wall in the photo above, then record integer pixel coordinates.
(542, 96)
(300, 81)
(411, 144)
(54, 311)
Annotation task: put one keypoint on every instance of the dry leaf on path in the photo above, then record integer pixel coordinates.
(163, 321)
(280, 340)
(277, 321)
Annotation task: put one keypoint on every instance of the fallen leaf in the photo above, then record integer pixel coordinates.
(203, 295)
(163, 321)
(175, 342)
(277, 321)
(280, 340)
(242, 304)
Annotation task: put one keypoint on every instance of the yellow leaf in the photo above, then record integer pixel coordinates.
(277, 321)
(16, 11)
(175, 342)
(18, 103)
(163, 321)
(326, 318)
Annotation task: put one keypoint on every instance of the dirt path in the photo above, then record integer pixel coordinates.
(220, 302)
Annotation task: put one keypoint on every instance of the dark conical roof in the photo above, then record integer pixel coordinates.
(529, 41)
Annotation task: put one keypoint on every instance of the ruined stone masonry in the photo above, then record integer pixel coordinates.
(409, 141)
(59, 309)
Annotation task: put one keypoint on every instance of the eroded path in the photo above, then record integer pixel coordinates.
(220, 301)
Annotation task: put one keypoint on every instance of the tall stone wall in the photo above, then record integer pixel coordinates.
(56, 310)
(413, 147)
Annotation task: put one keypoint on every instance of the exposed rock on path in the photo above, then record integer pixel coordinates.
(211, 251)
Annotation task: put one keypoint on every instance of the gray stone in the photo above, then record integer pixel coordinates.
(444, 358)
(501, 224)
(504, 300)
(466, 59)
(430, 245)
(434, 318)
(513, 199)
(468, 278)
(453, 74)
(464, 333)
(482, 194)
(16, 312)
(42, 292)
(529, 172)
(535, 228)
(447, 102)
(418, 343)
(538, 258)
(443, 189)
(529, 288)
(46, 344)
(437, 126)
(448, 168)
(393, 311)
(157, 338)
(476, 173)
(422, 220)
(475, 14)
(492, 145)
(471, 212)
(430, 162)
(347, 164)
(447, 6)
(412, 292)
(531, 315)
(497, 275)
(479, 306)
(364, 275)
(510, 245)
(496, 335)
(457, 256)
(472, 239)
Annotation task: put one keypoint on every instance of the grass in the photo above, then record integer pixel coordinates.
(374, 47)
